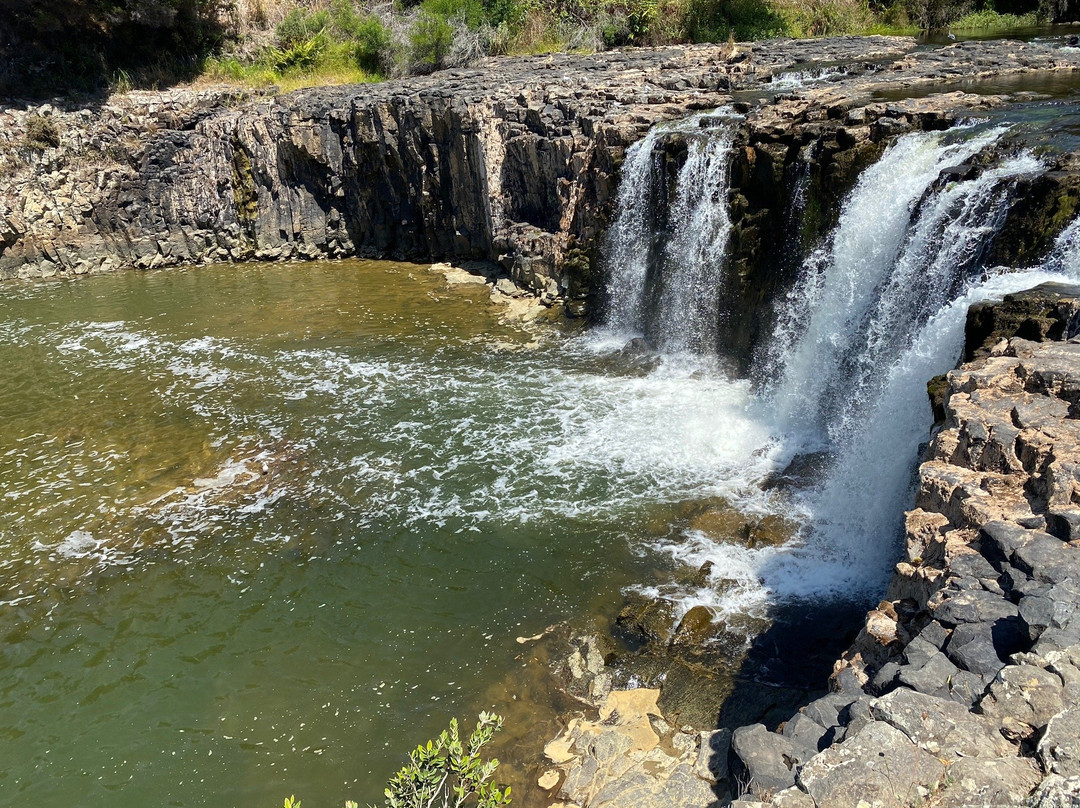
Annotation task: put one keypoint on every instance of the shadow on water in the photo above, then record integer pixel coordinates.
(789, 663)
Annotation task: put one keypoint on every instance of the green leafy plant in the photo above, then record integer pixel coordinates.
(300, 55)
(448, 771)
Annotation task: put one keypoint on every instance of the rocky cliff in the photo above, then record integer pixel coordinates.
(514, 161)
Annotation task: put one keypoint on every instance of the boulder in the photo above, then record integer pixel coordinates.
(1004, 781)
(768, 758)
(940, 726)
(1024, 694)
(1056, 792)
(1059, 748)
(879, 766)
(932, 677)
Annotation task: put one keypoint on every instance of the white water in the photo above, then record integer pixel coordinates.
(878, 311)
(677, 301)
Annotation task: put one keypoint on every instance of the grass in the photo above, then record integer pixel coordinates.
(334, 65)
(328, 42)
(987, 20)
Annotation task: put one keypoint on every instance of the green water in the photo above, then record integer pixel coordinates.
(264, 528)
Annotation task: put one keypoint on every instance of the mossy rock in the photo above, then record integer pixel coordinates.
(938, 390)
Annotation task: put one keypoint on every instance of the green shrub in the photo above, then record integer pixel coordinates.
(935, 14)
(715, 20)
(471, 12)
(430, 40)
(301, 25)
(450, 772)
(989, 19)
(302, 55)
(41, 133)
(825, 17)
(373, 45)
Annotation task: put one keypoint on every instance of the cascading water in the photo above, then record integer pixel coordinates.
(878, 310)
(669, 287)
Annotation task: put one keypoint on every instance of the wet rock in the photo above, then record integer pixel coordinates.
(1047, 312)
(645, 620)
(696, 627)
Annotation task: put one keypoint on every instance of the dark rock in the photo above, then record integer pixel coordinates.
(932, 677)
(1048, 559)
(999, 540)
(1036, 614)
(1064, 525)
(973, 647)
(1047, 312)
(806, 734)
(966, 688)
(885, 679)
(827, 710)
(768, 758)
(646, 620)
(973, 606)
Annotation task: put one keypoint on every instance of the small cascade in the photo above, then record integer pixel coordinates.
(667, 283)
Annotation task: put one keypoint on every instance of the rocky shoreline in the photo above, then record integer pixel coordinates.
(961, 688)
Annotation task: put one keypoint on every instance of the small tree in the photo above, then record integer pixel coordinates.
(446, 772)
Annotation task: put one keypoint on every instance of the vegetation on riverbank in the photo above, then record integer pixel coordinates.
(90, 44)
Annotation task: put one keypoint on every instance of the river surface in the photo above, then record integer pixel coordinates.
(263, 529)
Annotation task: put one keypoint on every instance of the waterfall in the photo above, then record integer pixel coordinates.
(877, 311)
(866, 281)
(668, 285)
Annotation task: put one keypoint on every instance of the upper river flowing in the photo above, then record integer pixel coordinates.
(265, 528)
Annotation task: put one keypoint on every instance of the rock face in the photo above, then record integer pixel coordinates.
(514, 161)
